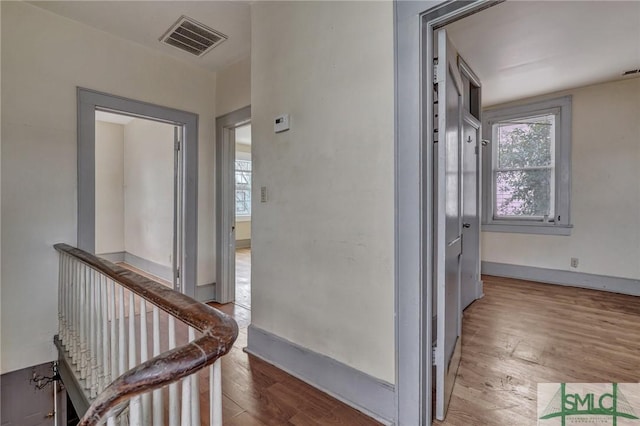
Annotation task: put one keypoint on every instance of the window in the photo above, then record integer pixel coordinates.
(243, 188)
(527, 167)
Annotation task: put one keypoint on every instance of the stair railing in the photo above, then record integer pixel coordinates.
(127, 375)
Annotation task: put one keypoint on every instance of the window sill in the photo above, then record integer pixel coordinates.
(243, 218)
(525, 228)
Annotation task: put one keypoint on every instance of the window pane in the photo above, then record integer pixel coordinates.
(243, 187)
(524, 193)
(525, 142)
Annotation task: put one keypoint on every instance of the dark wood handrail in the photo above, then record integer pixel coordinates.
(219, 329)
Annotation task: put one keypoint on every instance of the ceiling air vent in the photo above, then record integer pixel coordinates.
(192, 36)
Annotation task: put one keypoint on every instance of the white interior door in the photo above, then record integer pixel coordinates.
(470, 260)
(448, 222)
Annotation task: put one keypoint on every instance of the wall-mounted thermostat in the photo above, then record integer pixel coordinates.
(281, 123)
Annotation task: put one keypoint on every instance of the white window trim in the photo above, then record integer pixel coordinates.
(561, 223)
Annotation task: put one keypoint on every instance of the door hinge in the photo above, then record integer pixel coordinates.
(435, 70)
(177, 272)
(177, 145)
(476, 149)
(433, 355)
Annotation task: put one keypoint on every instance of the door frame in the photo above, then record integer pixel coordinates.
(225, 202)
(88, 101)
(414, 24)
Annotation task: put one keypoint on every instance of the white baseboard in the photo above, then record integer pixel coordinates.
(569, 278)
(162, 271)
(115, 257)
(243, 243)
(206, 293)
(374, 397)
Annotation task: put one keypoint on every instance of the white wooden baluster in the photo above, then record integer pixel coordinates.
(97, 330)
(122, 351)
(104, 333)
(73, 334)
(83, 323)
(174, 407)
(85, 317)
(67, 298)
(132, 330)
(111, 420)
(122, 344)
(158, 419)
(92, 333)
(113, 340)
(186, 402)
(215, 393)
(135, 415)
(73, 337)
(195, 394)
(87, 324)
(61, 298)
(146, 397)
(80, 313)
(97, 356)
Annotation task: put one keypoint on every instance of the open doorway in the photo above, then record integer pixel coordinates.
(243, 215)
(542, 86)
(136, 194)
(158, 149)
(233, 210)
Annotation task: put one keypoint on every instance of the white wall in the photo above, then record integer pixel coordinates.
(109, 187)
(234, 87)
(243, 230)
(148, 190)
(323, 250)
(44, 58)
(605, 196)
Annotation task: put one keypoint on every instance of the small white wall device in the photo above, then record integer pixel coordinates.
(281, 123)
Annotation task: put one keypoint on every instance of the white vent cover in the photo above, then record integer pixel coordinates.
(191, 36)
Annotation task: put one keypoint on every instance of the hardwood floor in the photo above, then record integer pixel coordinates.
(523, 333)
(243, 277)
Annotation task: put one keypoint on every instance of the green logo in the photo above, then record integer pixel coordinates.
(595, 403)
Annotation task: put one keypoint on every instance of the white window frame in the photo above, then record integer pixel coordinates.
(560, 224)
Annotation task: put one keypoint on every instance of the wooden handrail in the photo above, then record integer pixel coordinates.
(219, 333)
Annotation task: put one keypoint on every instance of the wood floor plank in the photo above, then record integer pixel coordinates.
(523, 333)
(244, 419)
